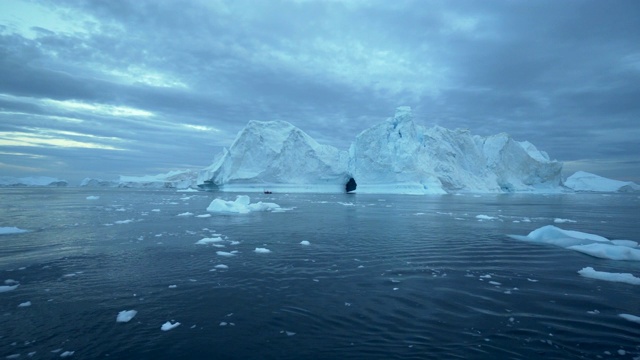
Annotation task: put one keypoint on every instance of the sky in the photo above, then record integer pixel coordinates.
(106, 88)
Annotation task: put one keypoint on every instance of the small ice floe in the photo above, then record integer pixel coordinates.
(126, 315)
(289, 333)
(627, 278)
(221, 266)
(169, 325)
(67, 354)
(185, 214)
(495, 283)
(262, 250)
(305, 242)
(124, 221)
(5, 288)
(532, 280)
(590, 244)
(93, 197)
(487, 276)
(205, 241)
(223, 323)
(25, 304)
(156, 210)
(562, 221)
(11, 230)
(234, 242)
(346, 203)
(173, 286)
(485, 217)
(203, 216)
(225, 253)
(242, 205)
(633, 318)
(593, 312)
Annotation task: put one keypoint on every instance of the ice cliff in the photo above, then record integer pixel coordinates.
(31, 181)
(584, 181)
(178, 179)
(276, 155)
(396, 156)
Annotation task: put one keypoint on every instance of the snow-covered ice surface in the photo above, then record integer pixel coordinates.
(126, 315)
(242, 205)
(439, 284)
(11, 230)
(169, 325)
(607, 276)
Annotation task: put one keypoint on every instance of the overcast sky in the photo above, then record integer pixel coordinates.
(103, 88)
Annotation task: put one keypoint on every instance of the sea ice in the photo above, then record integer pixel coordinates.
(485, 217)
(633, 318)
(262, 250)
(92, 197)
(169, 325)
(242, 205)
(126, 315)
(203, 216)
(25, 304)
(305, 242)
(124, 221)
(225, 253)
(607, 276)
(67, 354)
(590, 244)
(221, 266)
(11, 230)
(185, 214)
(205, 241)
(5, 288)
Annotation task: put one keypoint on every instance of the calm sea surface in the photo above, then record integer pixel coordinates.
(384, 277)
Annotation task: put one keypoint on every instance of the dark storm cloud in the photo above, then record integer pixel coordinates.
(563, 75)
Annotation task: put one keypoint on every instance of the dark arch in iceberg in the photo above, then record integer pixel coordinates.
(350, 185)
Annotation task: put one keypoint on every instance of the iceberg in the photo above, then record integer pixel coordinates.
(590, 244)
(584, 181)
(242, 205)
(177, 179)
(8, 181)
(395, 156)
(275, 155)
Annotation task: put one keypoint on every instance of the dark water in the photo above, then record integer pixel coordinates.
(385, 277)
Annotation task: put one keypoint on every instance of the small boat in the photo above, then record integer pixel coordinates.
(268, 192)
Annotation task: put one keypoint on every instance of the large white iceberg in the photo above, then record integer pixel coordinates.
(584, 181)
(396, 156)
(178, 179)
(275, 155)
(590, 244)
(31, 181)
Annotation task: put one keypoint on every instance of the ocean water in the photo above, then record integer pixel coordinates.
(383, 277)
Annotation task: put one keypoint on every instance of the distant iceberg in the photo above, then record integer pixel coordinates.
(587, 182)
(396, 156)
(177, 179)
(8, 181)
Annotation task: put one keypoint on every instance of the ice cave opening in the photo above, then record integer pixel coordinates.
(350, 185)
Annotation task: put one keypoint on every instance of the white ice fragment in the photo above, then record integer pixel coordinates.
(67, 354)
(205, 241)
(124, 221)
(485, 217)
(185, 214)
(290, 333)
(225, 253)
(173, 286)
(495, 283)
(262, 250)
(561, 221)
(11, 230)
(12, 356)
(93, 197)
(25, 304)
(156, 210)
(221, 266)
(627, 278)
(5, 288)
(242, 205)
(203, 216)
(633, 318)
(305, 242)
(126, 315)
(223, 323)
(593, 312)
(532, 280)
(487, 276)
(169, 325)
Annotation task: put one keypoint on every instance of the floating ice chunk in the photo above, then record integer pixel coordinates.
(532, 280)
(590, 244)
(485, 276)
(25, 304)
(205, 241)
(495, 283)
(203, 216)
(173, 286)
(242, 205)
(126, 315)
(185, 214)
(221, 266)
(561, 221)
(11, 230)
(93, 197)
(225, 253)
(5, 288)
(67, 354)
(169, 325)
(346, 203)
(12, 356)
(156, 210)
(627, 278)
(633, 318)
(262, 250)
(485, 217)
(223, 323)
(305, 242)
(124, 221)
